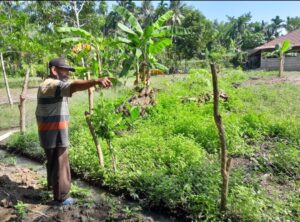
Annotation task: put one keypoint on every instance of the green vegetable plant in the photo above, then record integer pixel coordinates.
(21, 210)
(109, 123)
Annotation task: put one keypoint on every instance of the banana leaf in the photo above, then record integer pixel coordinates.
(124, 28)
(76, 31)
(130, 18)
(158, 46)
(162, 19)
(128, 63)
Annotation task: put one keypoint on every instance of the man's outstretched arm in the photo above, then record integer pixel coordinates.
(80, 85)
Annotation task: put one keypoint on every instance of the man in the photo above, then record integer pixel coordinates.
(52, 115)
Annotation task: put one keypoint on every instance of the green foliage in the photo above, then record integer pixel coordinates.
(21, 209)
(169, 158)
(145, 42)
(79, 192)
(249, 204)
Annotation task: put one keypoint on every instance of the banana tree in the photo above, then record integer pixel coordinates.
(280, 50)
(83, 42)
(143, 43)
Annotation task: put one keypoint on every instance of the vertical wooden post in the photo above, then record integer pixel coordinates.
(95, 138)
(91, 96)
(225, 162)
(22, 107)
(6, 81)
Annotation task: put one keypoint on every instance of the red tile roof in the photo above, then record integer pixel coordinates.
(293, 36)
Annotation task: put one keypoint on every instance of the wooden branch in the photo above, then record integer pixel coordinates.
(225, 163)
(6, 81)
(22, 107)
(91, 96)
(95, 138)
(113, 157)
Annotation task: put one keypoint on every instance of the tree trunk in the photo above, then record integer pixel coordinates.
(6, 81)
(95, 138)
(137, 76)
(281, 65)
(225, 163)
(99, 63)
(22, 103)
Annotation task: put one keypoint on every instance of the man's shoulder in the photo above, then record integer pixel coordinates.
(49, 82)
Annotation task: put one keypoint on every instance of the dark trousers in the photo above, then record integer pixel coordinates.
(58, 172)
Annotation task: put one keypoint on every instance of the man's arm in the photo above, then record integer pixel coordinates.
(80, 85)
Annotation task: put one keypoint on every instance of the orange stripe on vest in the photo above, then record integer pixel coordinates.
(53, 126)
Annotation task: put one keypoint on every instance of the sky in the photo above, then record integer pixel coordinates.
(260, 10)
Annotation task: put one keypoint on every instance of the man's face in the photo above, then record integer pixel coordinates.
(61, 73)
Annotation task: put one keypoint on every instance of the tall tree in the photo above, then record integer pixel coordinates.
(277, 23)
(146, 12)
(292, 23)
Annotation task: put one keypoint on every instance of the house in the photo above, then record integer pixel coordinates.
(257, 57)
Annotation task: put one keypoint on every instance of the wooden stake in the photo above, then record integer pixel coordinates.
(225, 163)
(6, 81)
(91, 96)
(95, 138)
(22, 107)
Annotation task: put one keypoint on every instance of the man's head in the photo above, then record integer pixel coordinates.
(60, 69)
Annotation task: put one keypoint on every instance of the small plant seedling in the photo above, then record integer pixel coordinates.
(21, 210)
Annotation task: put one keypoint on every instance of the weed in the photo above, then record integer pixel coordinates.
(79, 192)
(21, 210)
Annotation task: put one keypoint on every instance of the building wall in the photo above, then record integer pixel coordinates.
(291, 64)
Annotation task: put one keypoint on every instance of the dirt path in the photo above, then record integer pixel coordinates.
(15, 93)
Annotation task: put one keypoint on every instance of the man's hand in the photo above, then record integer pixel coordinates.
(104, 82)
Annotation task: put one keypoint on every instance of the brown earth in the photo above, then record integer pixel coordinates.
(292, 79)
(15, 93)
(21, 184)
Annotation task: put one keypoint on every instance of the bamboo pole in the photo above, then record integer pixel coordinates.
(95, 138)
(225, 162)
(22, 107)
(6, 81)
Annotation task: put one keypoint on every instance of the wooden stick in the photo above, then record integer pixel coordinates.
(95, 138)
(6, 81)
(225, 163)
(22, 107)
(91, 96)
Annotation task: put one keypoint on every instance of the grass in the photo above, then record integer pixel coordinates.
(18, 82)
(170, 157)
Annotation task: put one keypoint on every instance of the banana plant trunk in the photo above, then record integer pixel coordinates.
(6, 81)
(99, 64)
(22, 107)
(281, 65)
(225, 162)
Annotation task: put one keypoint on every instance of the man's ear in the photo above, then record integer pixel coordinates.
(54, 71)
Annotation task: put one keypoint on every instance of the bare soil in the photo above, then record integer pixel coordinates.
(22, 184)
(292, 79)
(15, 93)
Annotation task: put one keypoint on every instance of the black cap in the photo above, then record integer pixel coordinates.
(61, 63)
